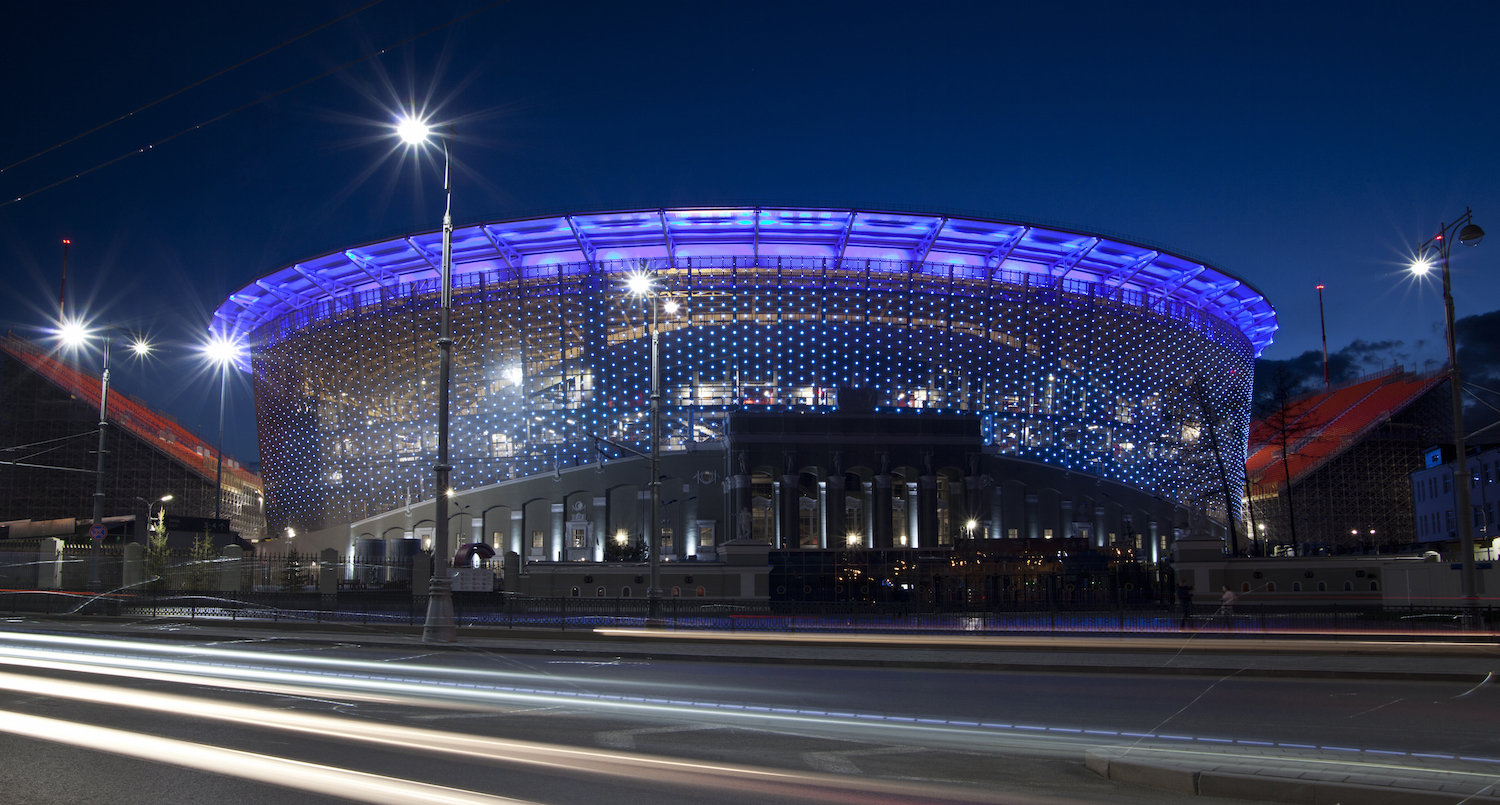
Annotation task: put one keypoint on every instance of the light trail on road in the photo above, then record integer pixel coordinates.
(433, 686)
(312, 777)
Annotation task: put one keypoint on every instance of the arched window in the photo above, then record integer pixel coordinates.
(1374, 586)
(1270, 586)
(1296, 586)
(1348, 586)
(625, 592)
(1245, 588)
(676, 592)
(700, 592)
(1322, 586)
(575, 592)
(600, 593)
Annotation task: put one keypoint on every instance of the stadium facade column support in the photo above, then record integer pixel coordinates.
(882, 514)
(517, 529)
(1065, 527)
(790, 512)
(476, 529)
(1099, 537)
(559, 512)
(974, 508)
(600, 518)
(927, 519)
(741, 524)
(833, 511)
(1033, 515)
(997, 512)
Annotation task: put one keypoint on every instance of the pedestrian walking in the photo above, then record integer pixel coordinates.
(1226, 603)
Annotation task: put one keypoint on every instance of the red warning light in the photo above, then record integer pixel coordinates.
(1320, 287)
(66, 241)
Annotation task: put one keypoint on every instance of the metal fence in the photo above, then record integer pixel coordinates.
(376, 608)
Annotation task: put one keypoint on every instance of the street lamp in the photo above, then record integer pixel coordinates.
(643, 284)
(1438, 246)
(439, 627)
(223, 352)
(151, 504)
(76, 334)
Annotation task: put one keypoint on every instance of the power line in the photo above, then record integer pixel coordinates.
(199, 82)
(255, 102)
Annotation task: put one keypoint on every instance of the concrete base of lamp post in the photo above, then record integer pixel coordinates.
(439, 627)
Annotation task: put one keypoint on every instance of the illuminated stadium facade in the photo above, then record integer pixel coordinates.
(974, 377)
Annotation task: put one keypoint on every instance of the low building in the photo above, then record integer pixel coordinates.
(1432, 499)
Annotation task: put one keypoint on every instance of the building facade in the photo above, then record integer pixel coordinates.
(982, 378)
(1432, 498)
(49, 418)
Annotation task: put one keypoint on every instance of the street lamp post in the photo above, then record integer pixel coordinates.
(439, 627)
(643, 284)
(1440, 244)
(222, 351)
(75, 334)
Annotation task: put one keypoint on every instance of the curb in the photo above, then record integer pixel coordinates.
(569, 646)
(1244, 786)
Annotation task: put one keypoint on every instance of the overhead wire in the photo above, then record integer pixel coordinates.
(257, 101)
(197, 83)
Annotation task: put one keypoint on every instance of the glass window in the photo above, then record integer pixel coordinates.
(536, 539)
(701, 592)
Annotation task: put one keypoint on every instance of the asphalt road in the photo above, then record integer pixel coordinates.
(116, 721)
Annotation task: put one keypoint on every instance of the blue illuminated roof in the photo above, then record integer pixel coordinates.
(1050, 253)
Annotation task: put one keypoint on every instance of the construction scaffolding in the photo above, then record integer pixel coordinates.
(49, 425)
(1352, 449)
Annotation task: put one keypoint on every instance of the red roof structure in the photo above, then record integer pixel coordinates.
(132, 415)
(1376, 425)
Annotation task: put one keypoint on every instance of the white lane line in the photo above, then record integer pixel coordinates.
(316, 778)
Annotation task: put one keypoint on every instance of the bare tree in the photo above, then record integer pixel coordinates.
(1279, 412)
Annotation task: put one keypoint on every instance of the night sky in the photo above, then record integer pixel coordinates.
(1290, 144)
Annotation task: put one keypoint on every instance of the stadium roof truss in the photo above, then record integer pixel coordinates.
(937, 244)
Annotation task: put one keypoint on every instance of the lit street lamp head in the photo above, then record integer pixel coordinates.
(639, 283)
(1421, 266)
(140, 347)
(72, 333)
(412, 131)
(221, 351)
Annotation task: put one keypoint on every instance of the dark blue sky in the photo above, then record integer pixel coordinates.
(1289, 143)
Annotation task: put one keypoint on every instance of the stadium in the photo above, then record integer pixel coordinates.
(832, 378)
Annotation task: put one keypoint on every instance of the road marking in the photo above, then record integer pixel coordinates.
(625, 739)
(841, 762)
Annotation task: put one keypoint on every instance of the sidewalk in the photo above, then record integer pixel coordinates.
(1191, 656)
(1313, 776)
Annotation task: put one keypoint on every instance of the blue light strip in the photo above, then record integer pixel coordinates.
(935, 242)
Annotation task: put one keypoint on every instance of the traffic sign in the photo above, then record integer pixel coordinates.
(96, 531)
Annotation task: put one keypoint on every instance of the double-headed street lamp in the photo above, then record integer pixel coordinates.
(76, 334)
(439, 627)
(152, 504)
(1469, 234)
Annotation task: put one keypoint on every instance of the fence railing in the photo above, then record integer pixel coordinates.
(377, 608)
